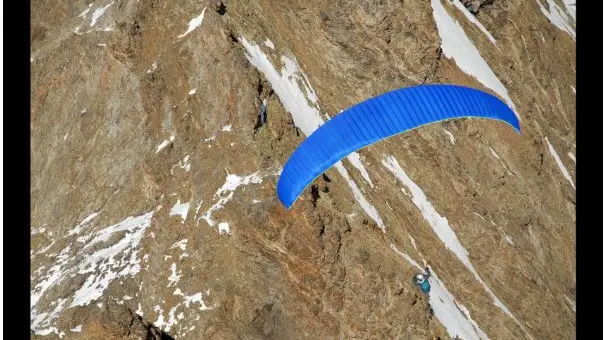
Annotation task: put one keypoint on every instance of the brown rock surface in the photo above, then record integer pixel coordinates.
(129, 120)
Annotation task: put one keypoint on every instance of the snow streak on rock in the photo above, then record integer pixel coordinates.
(456, 45)
(470, 17)
(232, 182)
(290, 85)
(356, 161)
(440, 226)
(449, 134)
(177, 312)
(558, 17)
(367, 206)
(101, 259)
(223, 228)
(562, 168)
(194, 23)
(451, 314)
(40, 230)
(509, 240)
(571, 8)
(97, 14)
(85, 222)
(572, 304)
(182, 244)
(499, 159)
(269, 44)
(174, 278)
(164, 144)
(298, 97)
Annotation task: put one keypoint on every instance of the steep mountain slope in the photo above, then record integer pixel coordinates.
(159, 130)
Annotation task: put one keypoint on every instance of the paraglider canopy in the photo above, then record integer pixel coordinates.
(379, 118)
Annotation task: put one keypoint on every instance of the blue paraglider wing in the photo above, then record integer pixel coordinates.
(378, 118)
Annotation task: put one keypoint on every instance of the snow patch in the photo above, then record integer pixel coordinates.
(154, 67)
(494, 153)
(180, 209)
(194, 23)
(232, 182)
(160, 321)
(40, 230)
(269, 44)
(196, 298)
(173, 317)
(456, 45)
(83, 14)
(449, 134)
(571, 155)
(573, 89)
(559, 163)
(192, 92)
(185, 163)
(96, 15)
(570, 5)
(365, 205)
(45, 249)
(164, 144)
(139, 311)
(356, 161)
(572, 303)
(182, 244)
(413, 241)
(226, 128)
(509, 240)
(85, 222)
(223, 228)
(300, 102)
(481, 217)
(77, 329)
(174, 278)
(557, 16)
(99, 262)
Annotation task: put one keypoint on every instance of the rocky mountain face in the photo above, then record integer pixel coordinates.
(159, 130)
